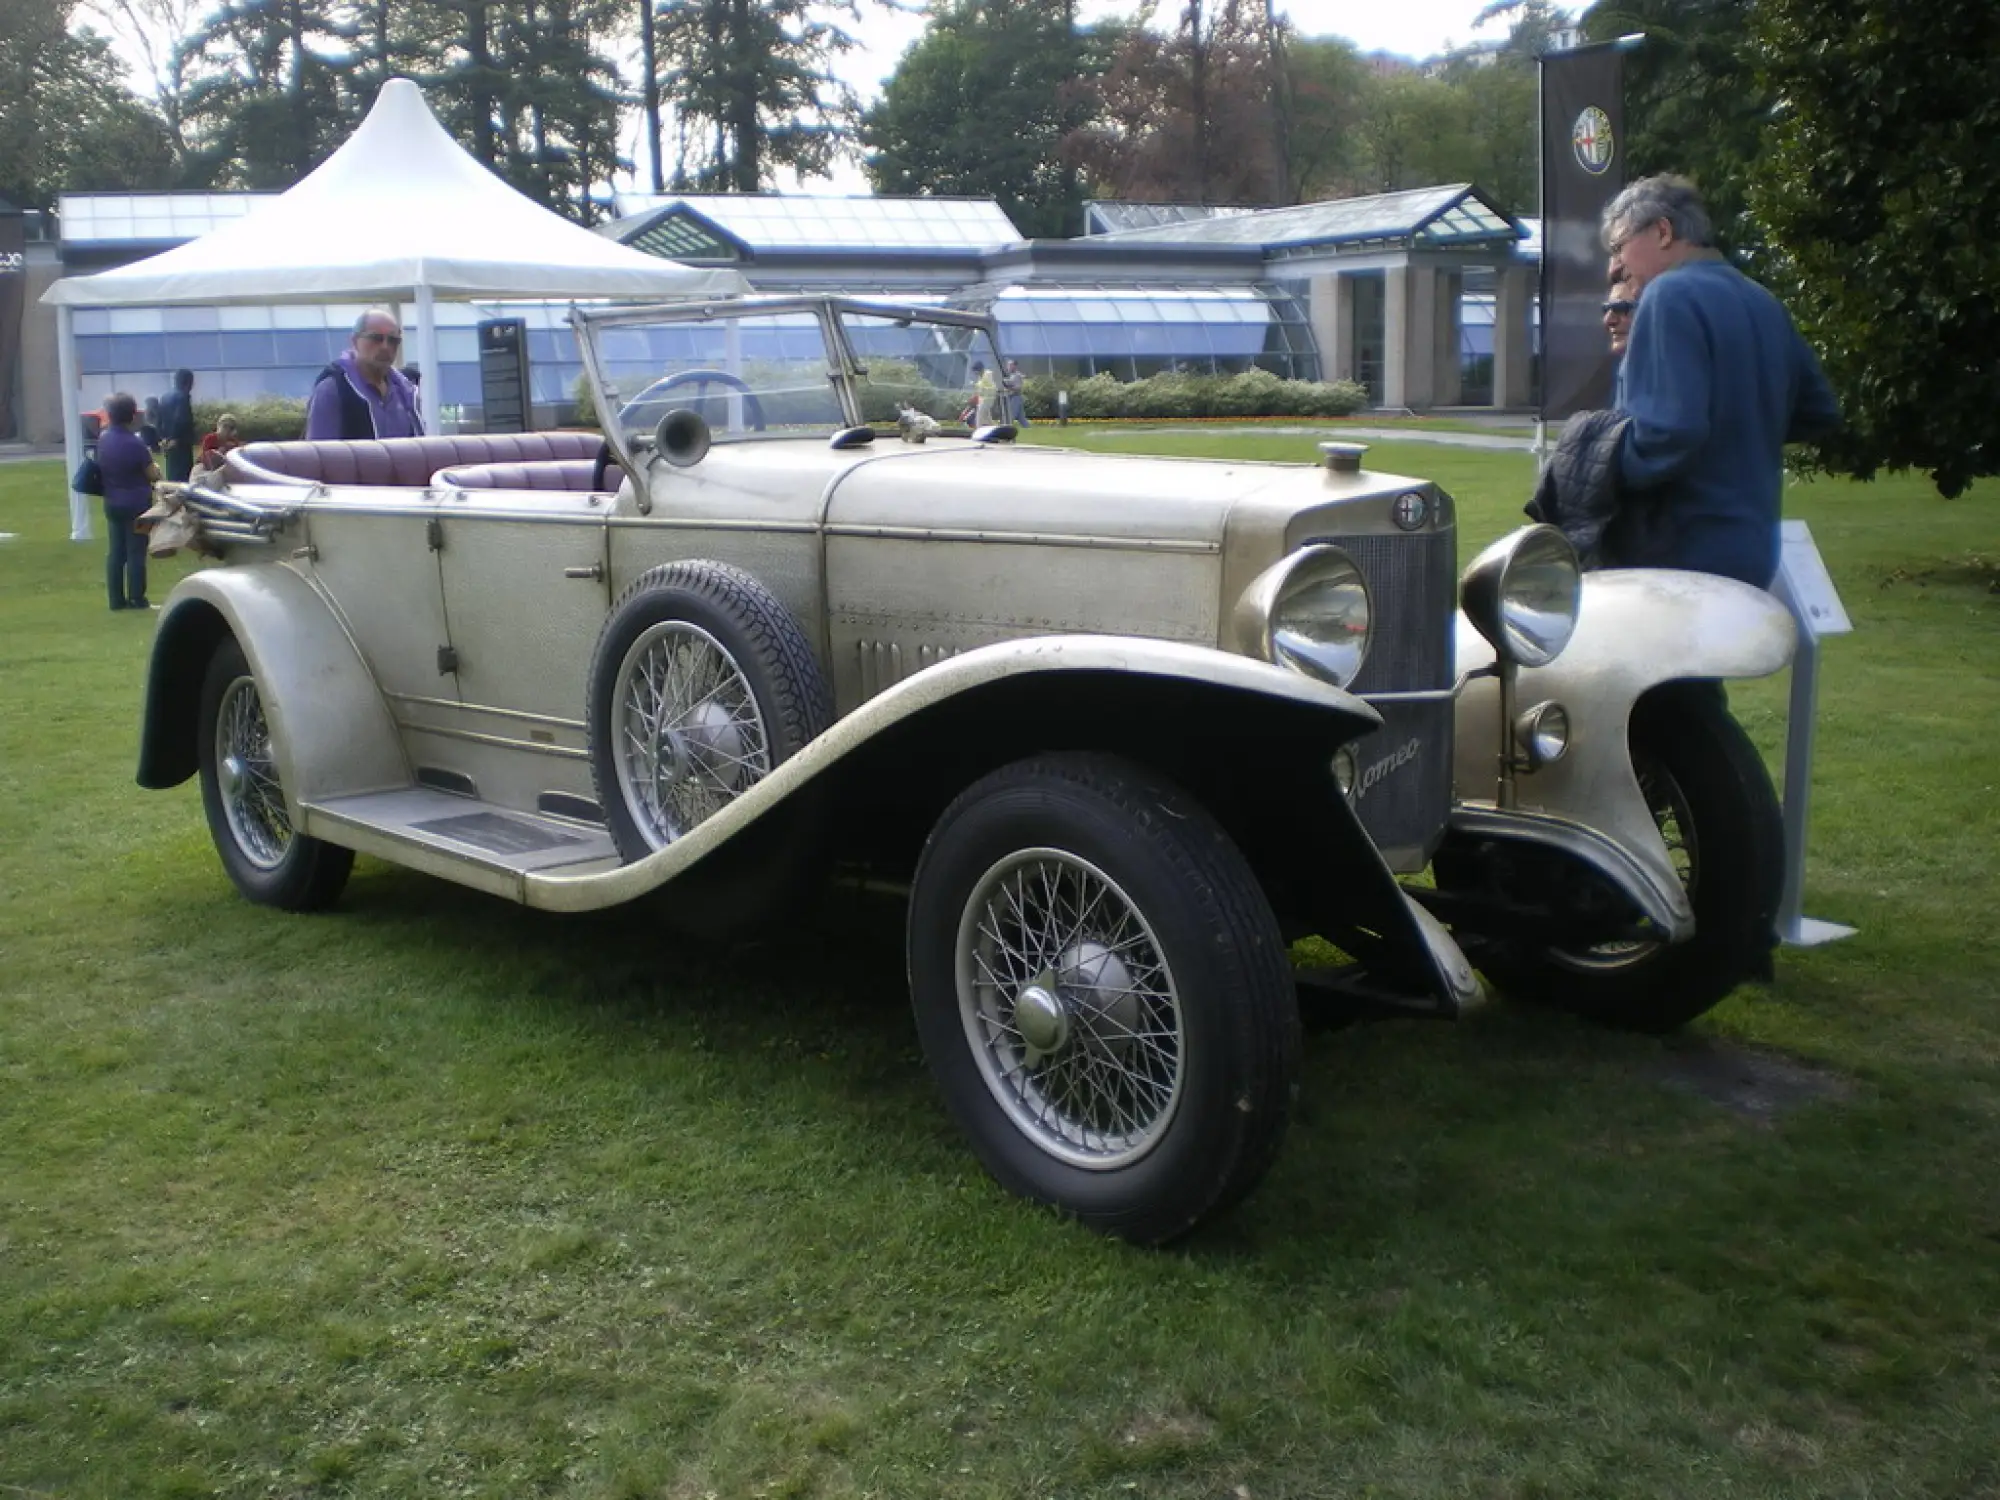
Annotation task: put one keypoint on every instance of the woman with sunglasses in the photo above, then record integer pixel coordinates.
(1618, 309)
(362, 394)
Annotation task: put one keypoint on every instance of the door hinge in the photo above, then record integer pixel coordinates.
(447, 660)
(594, 573)
(434, 534)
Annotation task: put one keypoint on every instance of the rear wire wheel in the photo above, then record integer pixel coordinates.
(268, 860)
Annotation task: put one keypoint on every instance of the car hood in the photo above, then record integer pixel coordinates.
(1002, 488)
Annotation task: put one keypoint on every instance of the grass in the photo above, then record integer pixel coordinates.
(431, 1196)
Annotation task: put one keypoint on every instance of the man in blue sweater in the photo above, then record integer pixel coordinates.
(1716, 381)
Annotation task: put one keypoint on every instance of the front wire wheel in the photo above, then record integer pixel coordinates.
(1675, 819)
(1103, 995)
(1070, 1008)
(689, 736)
(1712, 798)
(242, 795)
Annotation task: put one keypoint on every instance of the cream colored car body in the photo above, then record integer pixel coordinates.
(1634, 631)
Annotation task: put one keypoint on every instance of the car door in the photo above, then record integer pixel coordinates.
(524, 590)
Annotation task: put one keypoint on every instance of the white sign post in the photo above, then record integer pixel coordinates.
(1802, 583)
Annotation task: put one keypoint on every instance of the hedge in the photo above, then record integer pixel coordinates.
(1251, 393)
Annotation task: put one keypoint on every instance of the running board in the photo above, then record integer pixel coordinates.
(474, 843)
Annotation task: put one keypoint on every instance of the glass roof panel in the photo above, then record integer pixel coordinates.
(1385, 216)
(770, 221)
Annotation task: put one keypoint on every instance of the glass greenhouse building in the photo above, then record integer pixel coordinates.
(1419, 296)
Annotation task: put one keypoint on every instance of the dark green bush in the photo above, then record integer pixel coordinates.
(1176, 394)
(261, 419)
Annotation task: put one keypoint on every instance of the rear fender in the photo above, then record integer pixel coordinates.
(1636, 629)
(331, 733)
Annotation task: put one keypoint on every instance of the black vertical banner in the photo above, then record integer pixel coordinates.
(1583, 168)
(13, 292)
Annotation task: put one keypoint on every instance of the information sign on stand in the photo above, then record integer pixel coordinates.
(1807, 590)
(503, 376)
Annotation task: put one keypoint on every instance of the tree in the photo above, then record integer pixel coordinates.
(986, 104)
(1188, 117)
(153, 29)
(1327, 85)
(1693, 103)
(753, 88)
(1412, 134)
(66, 123)
(1880, 194)
(264, 104)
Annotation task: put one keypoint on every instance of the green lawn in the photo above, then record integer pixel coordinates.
(432, 1196)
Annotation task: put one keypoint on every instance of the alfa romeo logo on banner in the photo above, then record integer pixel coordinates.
(1590, 139)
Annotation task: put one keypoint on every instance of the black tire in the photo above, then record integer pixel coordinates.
(1170, 943)
(245, 803)
(765, 697)
(1709, 790)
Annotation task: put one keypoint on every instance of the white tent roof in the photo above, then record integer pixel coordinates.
(400, 206)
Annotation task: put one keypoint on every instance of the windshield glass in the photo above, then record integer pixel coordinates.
(938, 369)
(766, 375)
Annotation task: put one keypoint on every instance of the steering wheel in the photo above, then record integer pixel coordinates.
(701, 380)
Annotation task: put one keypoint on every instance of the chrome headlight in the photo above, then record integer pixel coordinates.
(1522, 593)
(1542, 732)
(1310, 612)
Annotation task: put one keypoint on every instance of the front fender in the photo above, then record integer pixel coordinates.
(1636, 629)
(331, 733)
(954, 720)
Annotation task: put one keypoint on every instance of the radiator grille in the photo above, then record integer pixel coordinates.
(1412, 585)
(1412, 588)
(1403, 791)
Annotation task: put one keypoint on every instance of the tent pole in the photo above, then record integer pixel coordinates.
(72, 420)
(429, 400)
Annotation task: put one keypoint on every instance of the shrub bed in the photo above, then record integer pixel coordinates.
(1172, 395)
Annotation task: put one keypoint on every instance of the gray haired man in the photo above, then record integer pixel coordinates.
(1716, 381)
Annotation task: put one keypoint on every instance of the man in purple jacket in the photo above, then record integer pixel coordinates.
(362, 394)
(1716, 381)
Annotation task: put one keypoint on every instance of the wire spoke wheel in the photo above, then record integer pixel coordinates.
(252, 800)
(688, 735)
(1070, 1008)
(1668, 804)
(243, 796)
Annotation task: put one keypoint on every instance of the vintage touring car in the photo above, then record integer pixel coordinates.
(1123, 726)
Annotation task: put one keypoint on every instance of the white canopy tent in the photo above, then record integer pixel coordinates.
(399, 211)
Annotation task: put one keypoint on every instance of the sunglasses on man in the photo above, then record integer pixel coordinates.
(393, 340)
(1620, 307)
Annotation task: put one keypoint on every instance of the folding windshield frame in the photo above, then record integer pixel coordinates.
(846, 369)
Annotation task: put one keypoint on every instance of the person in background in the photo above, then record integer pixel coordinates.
(1012, 386)
(177, 434)
(147, 425)
(362, 394)
(217, 444)
(1716, 381)
(129, 473)
(985, 395)
(1618, 309)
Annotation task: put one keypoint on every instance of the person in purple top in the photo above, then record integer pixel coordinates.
(129, 471)
(362, 394)
(1716, 381)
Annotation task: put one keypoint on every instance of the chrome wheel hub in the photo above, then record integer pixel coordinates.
(246, 775)
(1070, 1009)
(688, 733)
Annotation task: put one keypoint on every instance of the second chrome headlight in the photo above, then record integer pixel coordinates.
(1310, 612)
